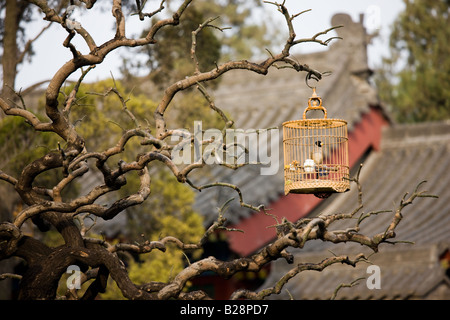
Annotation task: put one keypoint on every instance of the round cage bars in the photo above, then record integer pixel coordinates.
(315, 154)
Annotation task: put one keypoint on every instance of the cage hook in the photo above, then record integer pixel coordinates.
(310, 75)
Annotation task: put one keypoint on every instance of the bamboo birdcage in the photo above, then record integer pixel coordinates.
(315, 154)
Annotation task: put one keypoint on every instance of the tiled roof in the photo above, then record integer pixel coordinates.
(406, 273)
(259, 102)
(409, 154)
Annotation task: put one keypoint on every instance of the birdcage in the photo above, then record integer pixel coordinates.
(316, 153)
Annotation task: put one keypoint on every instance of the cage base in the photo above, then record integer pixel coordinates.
(316, 186)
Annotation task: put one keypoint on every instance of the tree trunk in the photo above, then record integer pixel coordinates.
(9, 59)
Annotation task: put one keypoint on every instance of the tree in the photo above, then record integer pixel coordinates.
(414, 81)
(152, 146)
(15, 14)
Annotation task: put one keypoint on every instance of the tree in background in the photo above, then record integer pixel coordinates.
(415, 81)
(16, 45)
(128, 143)
(245, 37)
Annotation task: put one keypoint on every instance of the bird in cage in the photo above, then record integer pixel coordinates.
(317, 157)
(317, 153)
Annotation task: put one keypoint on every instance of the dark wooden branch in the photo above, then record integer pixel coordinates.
(295, 271)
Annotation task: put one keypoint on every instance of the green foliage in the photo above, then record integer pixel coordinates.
(191, 107)
(251, 31)
(20, 145)
(170, 202)
(167, 212)
(163, 266)
(170, 60)
(98, 113)
(415, 80)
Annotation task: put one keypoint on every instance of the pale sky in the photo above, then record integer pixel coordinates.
(378, 15)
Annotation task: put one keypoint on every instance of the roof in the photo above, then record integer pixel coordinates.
(407, 273)
(409, 154)
(259, 102)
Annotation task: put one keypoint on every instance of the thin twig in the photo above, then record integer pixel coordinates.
(345, 285)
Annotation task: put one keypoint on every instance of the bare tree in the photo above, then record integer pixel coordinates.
(99, 259)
